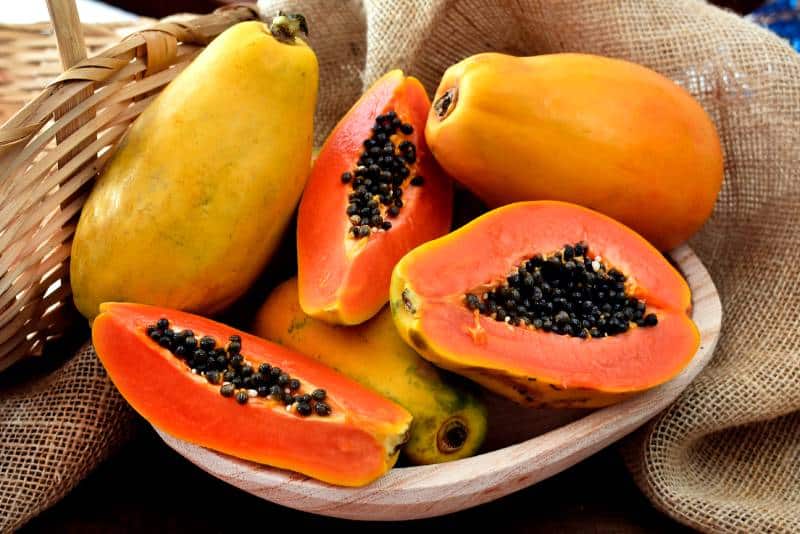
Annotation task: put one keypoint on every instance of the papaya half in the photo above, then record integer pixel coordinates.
(198, 195)
(212, 385)
(449, 420)
(603, 133)
(374, 193)
(548, 304)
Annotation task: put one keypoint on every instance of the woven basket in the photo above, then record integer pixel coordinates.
(52, 148)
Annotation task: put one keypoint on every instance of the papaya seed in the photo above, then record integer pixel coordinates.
(238, 376)
(567, 293)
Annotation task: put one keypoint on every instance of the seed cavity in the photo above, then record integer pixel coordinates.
(377, 180)
(569, 292)
(240, 379)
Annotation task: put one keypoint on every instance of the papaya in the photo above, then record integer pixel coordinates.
(548, 304)
(215, 386)
(604, 133)
(196, 198)
(449, 420)
(374, 193)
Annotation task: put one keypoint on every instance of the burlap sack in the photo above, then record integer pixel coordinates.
(726, 455)
(53, 432)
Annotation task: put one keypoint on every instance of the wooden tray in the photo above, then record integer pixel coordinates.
(525, 445)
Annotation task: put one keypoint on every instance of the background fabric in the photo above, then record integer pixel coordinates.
(726, 455)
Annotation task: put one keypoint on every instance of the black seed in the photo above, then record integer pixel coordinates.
(207, 343)
(263, 391)
(346, 177)
(242, 397)
(234, 347)
(472, 301)
(247, 370)
(276, 392)
(283, 380)
(386, 225)
(227, 376)
(393, 211)
(162, 323)
(237, 381)
(165, 341)
(407, 129)
(322, 409)
(227, 389)
(179, 351)
(264, 369)
(318, 395)
(294, 384)
(288, 398)
(417, 180)
(304, 409)
(236, 361)
(212, 377)
(650, 319)
(156, 335)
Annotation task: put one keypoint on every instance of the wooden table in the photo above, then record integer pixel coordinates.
(149, 488)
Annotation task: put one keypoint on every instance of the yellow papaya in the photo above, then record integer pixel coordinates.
(603, 133)
(196, 199)
(449, 421)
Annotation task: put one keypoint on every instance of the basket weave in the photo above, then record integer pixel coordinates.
(44, 182)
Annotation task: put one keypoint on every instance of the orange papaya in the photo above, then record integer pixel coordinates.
(374, 193)
(603, 133)
(547, 303)
(218, 387)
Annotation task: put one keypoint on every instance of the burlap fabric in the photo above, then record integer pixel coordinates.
(726, 455)
(53, 431)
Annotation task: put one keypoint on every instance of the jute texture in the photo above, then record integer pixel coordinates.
(726, 455)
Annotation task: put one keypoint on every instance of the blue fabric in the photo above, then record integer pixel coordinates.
(782, 17)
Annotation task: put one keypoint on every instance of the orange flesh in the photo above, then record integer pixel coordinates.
(346, 280)
(349, 447)
(493, 245)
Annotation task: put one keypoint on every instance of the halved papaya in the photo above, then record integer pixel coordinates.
(212, 385)
(374, 193)
(547, 303)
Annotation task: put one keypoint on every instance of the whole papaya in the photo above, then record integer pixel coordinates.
(604, 133)
(449, 420)
(197, 197)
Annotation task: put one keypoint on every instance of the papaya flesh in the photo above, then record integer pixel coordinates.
(212, 169)
(449, 420)
(351, 443)
(374, 193)
(603, 133)
(637, 333)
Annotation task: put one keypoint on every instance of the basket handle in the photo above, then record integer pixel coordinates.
(72, 49)
(69, 32)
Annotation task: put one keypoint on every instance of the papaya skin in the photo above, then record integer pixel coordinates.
(356, 444)
(343, 280)
(529, 366)
(196, 199)
(603, 133)
(449, 421)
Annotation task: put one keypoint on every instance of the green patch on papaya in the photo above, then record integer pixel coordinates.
(417, 340)
(297, 324)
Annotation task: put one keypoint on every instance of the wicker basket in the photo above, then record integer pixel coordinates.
(51, 149)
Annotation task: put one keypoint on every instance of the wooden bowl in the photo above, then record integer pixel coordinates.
(525, 445)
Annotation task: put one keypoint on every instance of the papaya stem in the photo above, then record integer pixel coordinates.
(285, 26)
